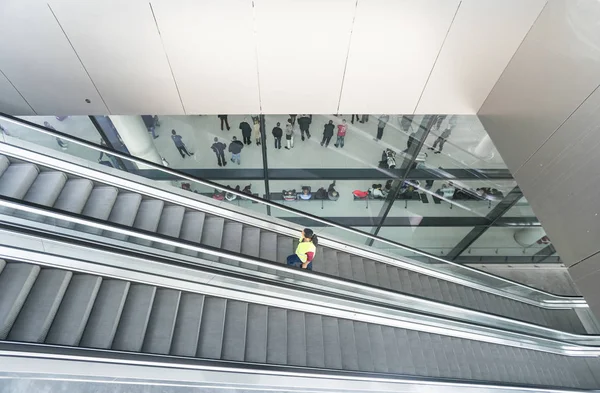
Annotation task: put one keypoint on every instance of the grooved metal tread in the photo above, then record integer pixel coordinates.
(123, 207)
(143, 318)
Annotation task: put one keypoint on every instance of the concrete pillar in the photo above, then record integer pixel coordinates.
(136, 137)
(527, 237)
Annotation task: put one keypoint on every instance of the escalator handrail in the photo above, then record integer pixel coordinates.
(194, 280)
(356, 292)
(552, 297)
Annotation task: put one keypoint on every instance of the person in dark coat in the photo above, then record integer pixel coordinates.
(246, 132)
(224, 121)
(304, 123)
(235, 148)
(277, 134)
(219, 149)
(327, 133)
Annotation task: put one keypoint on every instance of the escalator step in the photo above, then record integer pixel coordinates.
(315, 346)
(134, 319)
(187, 326)
(392, 353)
(17, 179)
(250, 245)
(268, 250)
(170, 224)
(363, 346)
(232, 241)
(348, 345)
(123, 212)
(234, 337)
(382, 275)
(41, 305)
(345, 266)
(377, 348)
(296, 338)
(16, 281)
(277, 336)
(46, 188)
(212, 235)
(4, 163)
(358, 269)
(210, 343)
(74, 311)
(103, 321)
(331, 340)
(72, 199)
(147, 218)
(256, 336)
(191, 230)
(161, 324)
(99, 205)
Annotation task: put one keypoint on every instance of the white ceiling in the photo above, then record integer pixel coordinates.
(244, 56)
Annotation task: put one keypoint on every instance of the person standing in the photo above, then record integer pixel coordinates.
(383, 120)
(341, 133)
(277, 134)
(256, 129)
(178, 141)
(357, 118)
(293, 119)
(224, 121)
(235, 148)
(304, 123)
(441, 140)
(438, 121)
(289, 135)
(327, 133)
(219, 149)
(246, 131)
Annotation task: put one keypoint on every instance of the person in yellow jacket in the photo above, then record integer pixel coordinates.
(305, 252)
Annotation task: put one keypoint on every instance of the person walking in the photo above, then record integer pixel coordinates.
(441, 140)
(383, 120)
(289, 135)
(219, 149)
(277, 134)
(438, 121)
(224, 121)
(235, 148)
(341, 133)
(178, 141)
(246, 132)
(306, 250)
(357, 118)
(304, 123)
(293, 119)
(327, 133)
(256, 129)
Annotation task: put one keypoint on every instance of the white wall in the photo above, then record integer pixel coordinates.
(244, 56)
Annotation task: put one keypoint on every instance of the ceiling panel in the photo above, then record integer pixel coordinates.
(39, 61)
(483, 37)
(211, 48)
(393, 49)
(11, 101)
(302, 48)
(120, 46)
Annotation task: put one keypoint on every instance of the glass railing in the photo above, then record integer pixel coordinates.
(239, 203)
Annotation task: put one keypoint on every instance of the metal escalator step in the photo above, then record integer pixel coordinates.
(394, 276)
(123, 212)
(210, 343)
(426, 285)
(72, 199)
(41, 305)
(17, 179)
(345, 266)
(234, 337)
(403, 342)
(161, 324)
(99, 205)
(4, 163)
(284, 248)
(134, 319)
(46, 188)
(392, 353)
(405, 281)
(187, 325)
(212, 235)
(363, 346)
(377, 348)
(331, 343)
(415, 284)
(358, 269)
(436, 290)
(329, 262)
(250, 245)
(74, 311)
(147, 218)
(268, 250)
(256, 334)
(103, 321)
(382, 275)
(296, 338)
(170, 224)
(277, 331)
(371, 272)
(16, 281)
(232, 241)
(315, 346)
(191, 230)
(348, 345)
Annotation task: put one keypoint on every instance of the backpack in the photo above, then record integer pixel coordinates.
(321, 193)
(289, 195)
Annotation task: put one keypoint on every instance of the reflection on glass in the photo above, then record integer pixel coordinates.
(509, 241)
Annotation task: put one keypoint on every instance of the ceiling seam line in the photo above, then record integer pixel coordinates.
(162, 43)
(18, 92)
(347, 56)
(254, 32)
(78, 58)
(437, 57)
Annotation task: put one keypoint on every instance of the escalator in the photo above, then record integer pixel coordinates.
(68, 191)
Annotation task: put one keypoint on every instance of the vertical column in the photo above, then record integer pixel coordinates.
(135, 135)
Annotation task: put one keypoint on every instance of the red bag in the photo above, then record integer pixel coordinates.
(360, 194)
